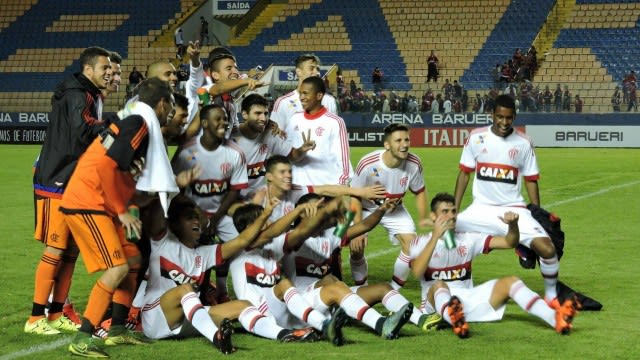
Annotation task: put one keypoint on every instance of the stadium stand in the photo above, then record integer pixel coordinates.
(596, 46)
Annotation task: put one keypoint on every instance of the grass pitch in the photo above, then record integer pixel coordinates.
(594, 191)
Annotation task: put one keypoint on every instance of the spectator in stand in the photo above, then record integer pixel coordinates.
(464, 101)
(352, 87)
(204, 31)
(616, 99)
(496, 76)
(376, 79)
(412, 105)
(179, 41)
(135, 77)
(432, 67)
(566, 99)
(457, 90)
(518, 58)
(626, 85)
(435, 104)
(546, 97)
(557, 98)
(478, 104)
(447, 89)
(578, 103)
(505, 73)
(533, 59)
(340, 83)
(447, 105)
(633, 97)
(386, 108)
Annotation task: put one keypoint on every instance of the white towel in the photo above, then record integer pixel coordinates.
(157, 176)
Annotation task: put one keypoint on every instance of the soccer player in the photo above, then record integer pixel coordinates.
(397, 170)
(307, 263)
(259, 144)
(116, 74)
(165, 71)
(256, 271)
(503, 159)
(290, 103)
(95, 209)
(75, 120)
(446, 278)
(328, 162)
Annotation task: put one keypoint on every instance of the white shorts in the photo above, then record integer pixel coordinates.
(476, 302)
(397, 222)
(225, 230)
(311, 295)
(265, 301)
(486, 219)
(155, 326)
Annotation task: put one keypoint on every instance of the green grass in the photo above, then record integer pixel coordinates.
(595, 191)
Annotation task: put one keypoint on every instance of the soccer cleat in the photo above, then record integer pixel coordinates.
(553, 303)
(119, 335)
(430, 322)
(332, 327)
(301, 335)
(393, 323)
(564, 317)
(222, 338)
(64, 324)
(40, 327)
(71, 314)
(100, 333)
(86, 346)
(456, 314)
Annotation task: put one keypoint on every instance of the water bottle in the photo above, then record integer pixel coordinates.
(134, 211)
(449, 239)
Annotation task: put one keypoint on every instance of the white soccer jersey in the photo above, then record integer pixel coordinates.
(256, 271)
(222, 169)
(499, 164)
(256, 151)
(371, 170)
(172, 264)
(450, 265)
(329, 162)
(312, 261)
(288, 201)
(289, 104)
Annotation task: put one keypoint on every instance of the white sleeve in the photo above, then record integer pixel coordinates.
(530, 164)
(329, 102)
(342, 152)
(468, 159)
(279, 145)
(196, 79)
(417, 180)
(239, 178)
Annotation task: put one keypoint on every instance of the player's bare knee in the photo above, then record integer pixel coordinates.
(281, 287)
(508, 281)
(327, 280)
(543, 247)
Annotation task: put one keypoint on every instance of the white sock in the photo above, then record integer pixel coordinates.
(441, 299)
(549, 268)
(426, 307)
(394, 301)
(359, 270)
(532, 302)
(400, 271)
(257, 323)
(302, 310)
(138, 300)
(357, 309)
(198, 315)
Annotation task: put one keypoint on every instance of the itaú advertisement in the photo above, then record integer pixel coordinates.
(584, 136)
(442, 136)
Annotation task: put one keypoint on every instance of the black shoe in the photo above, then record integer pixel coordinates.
(332, 328)
(299, 335)
(222, 338)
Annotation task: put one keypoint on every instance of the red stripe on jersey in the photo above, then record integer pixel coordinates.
(235, 147)
(86, 113)
(466, 169)
(239, 186)
(344, 144)
(487, 242)
(281, 99)
(418, 191)
(532, 177)
(416, 160)
(366, 162)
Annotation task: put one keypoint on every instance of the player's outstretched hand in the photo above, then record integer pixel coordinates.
(307, 143)
(186, 177)
(373, 192)
(510, 218)
(132, 225)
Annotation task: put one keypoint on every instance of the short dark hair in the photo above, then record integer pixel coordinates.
(115, 57)
(306, 57)
(391, 128)
(90, 55)
(181, 101)
(204, 112)
(317, 83)
(254, 99)
(441, 197)
(274, 160)
(151, 91)
(245, 215)
(218, 54)
(306, 198)
(505, 101)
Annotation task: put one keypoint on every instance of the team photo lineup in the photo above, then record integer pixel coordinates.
(241, 229)
(319, 179)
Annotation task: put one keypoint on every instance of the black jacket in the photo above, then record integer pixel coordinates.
(74, 122)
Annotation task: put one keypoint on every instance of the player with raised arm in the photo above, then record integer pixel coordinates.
(502, 160)
(398, 170)
(445, 274)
